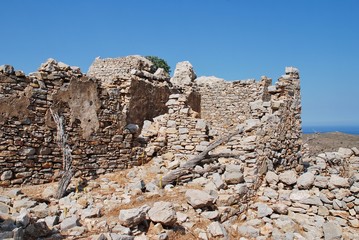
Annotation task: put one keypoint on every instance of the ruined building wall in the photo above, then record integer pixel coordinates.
(117, 93)
(95, 116)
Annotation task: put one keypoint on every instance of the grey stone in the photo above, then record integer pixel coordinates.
(132, 217)
(183, 75)
(338, 181)
(69, 223)
(4, 208)
(270, 193)
(121, 230)
(345, 152)
(263, 210)
(355, 187)
(5, 199)
(51, 221)
(299, 195)
(323, 211)
(151, 187)
(6, 235)
(280, 208)
(305, 181)
(27, 151)
(312, 200)
(248, 231)
(233, 177)
(23, 203)
(321, 181)
(115, 236)
(216, 229)
(6, 175)
(181, 217)
(217, 180)
(241, 189)
(211, 215)
(37, 230)
(332, 231)
(272, 178)
(163, 212)
(41, 210)
(7, 69)
(251, 124)
(288, 177)
(90, 212)
(355, 151)
(13, 193)
(23, 219)
(18, 233)
(197, 198)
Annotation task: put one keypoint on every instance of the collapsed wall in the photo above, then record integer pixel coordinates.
(97, 116)
(105, 111)
(270, 116)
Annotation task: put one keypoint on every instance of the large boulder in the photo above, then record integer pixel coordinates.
(184, 74)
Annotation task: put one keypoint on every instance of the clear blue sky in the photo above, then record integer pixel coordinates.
(231, 39)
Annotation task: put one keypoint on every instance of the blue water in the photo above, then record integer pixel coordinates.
(323, 129)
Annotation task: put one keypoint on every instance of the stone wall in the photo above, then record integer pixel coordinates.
(105, 111)
(96, 114)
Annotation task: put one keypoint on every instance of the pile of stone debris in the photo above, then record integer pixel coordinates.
(321, 202)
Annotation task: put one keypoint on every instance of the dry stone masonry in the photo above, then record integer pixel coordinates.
(122, 113)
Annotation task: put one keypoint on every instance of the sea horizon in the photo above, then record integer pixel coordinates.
(331, 128)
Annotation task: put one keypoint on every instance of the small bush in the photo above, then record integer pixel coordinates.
(159, 63)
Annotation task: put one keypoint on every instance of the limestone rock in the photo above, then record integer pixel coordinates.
(345, 152)
(272, 178)
(263, 210)
(305, 181)
(69, 223)
(217, 230)
(163, 212)
(184, 74)
(198, 198)
(6, 175)
(280, 208)
(132, 217)
(332, 231)
(338, 181)
(288, 177)
(210, 80)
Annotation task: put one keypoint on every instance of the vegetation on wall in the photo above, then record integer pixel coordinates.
(159, 63)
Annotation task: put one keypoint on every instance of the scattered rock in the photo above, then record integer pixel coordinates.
(217, 230)
(69, 223)
(163, 212)
(198, 198)
(132, 217)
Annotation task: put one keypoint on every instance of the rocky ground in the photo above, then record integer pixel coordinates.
(320, 201)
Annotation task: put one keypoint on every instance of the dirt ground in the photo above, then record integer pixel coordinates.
(329, 142)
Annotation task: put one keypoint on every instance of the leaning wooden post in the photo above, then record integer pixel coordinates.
(61, 139)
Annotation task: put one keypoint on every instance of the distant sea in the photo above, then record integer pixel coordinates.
(324, 129)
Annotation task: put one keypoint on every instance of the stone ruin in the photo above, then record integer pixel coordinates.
(122, 113)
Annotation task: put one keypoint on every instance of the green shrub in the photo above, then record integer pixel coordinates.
(159, 63)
